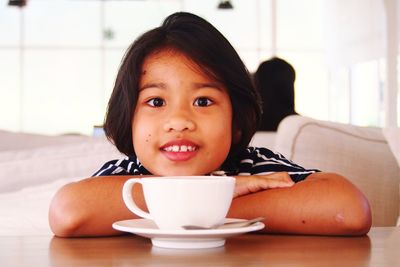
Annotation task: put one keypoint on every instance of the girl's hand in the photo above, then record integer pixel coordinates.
(254, 183)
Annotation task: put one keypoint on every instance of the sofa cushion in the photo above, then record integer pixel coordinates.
(263, 139)
(392, 135)
(361, 154)
(73, 159)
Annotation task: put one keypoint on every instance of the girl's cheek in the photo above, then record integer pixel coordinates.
(148, 138)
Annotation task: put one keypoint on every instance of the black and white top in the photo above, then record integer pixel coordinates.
(253, 161)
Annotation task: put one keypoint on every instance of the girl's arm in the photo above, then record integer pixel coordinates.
(324, 203)
(89, 207)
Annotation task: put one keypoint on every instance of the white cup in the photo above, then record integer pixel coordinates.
(174, 201)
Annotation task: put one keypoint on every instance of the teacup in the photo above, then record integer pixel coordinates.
(175, 201)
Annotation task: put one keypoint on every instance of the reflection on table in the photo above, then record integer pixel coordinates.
(379, 248)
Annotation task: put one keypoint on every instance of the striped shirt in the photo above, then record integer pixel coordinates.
(253, 161)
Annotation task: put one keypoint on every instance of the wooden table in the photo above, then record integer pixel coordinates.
(381, 247)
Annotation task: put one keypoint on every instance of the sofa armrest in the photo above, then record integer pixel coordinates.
(361, 154)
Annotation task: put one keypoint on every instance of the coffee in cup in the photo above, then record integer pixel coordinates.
(175, 201)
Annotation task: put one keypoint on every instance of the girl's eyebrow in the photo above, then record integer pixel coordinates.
(199, 85)
(215, 85)
(150, 85)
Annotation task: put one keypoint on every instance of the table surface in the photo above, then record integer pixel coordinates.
(381, 247)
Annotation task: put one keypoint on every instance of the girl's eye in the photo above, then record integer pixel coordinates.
(203, 102)
(156, 102)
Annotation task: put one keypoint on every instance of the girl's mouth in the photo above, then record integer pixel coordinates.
(179, 150)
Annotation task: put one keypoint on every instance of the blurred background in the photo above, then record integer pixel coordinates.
(59, 58)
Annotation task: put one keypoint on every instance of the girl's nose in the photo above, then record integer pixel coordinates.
(178, 122)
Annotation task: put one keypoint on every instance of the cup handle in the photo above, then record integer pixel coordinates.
(129, 201)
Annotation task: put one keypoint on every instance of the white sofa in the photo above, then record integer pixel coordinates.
(362, 154)
(33, 167)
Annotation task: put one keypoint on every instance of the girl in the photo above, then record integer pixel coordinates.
(183, 104)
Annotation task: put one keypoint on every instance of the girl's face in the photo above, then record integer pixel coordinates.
(183, 118)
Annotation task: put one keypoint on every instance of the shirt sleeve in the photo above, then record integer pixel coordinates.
(126, 166)
(262, 161)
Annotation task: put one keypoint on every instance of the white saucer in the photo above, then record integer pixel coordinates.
(184, 239)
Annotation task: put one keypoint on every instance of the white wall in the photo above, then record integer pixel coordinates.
(59, 58)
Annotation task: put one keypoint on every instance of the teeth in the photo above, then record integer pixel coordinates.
(176, 148)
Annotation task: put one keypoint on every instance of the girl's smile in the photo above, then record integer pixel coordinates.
(179, 150)
(183, 118)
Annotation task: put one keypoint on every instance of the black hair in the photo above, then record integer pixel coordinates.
(275, 79)
(207, 47)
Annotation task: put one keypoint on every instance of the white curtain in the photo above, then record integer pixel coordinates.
(354, 31)
(364, 30)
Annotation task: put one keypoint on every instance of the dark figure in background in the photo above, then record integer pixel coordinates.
(274, 79)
